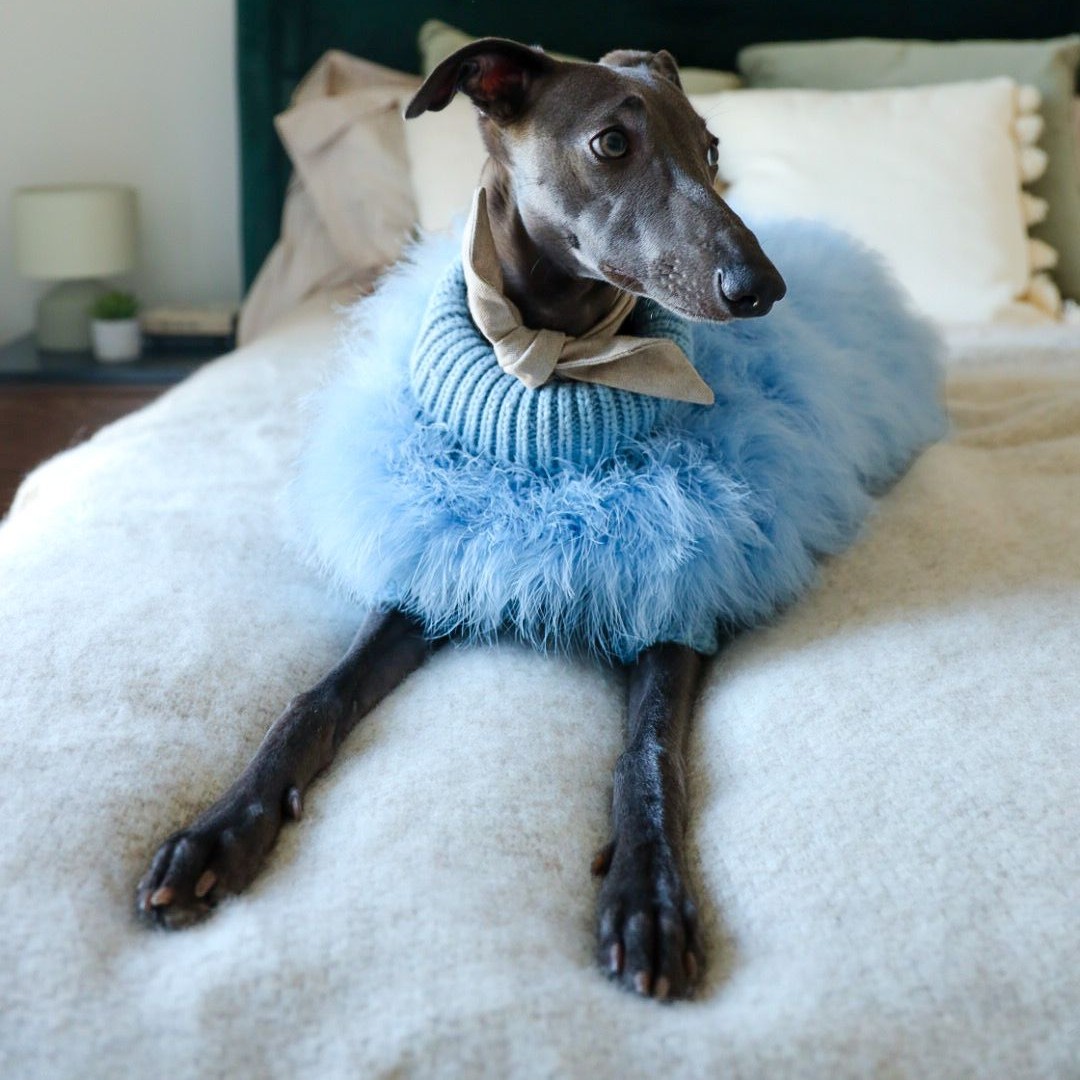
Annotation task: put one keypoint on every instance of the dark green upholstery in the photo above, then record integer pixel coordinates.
(278, 40)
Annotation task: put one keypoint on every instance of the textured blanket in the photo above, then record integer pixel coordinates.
(883, 784)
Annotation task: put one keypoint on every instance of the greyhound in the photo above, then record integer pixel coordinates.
(601, 178)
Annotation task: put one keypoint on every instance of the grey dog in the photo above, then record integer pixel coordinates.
(628, 171)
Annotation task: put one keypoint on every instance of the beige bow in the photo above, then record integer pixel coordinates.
(654, 366)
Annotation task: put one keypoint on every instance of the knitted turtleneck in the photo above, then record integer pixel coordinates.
(459, 383)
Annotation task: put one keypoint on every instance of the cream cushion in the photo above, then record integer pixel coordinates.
(930, 176)
(869, 63)
(445, 155)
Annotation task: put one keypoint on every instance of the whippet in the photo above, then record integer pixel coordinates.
(620, 196)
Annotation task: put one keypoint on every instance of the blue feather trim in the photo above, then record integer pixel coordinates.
(713, 520)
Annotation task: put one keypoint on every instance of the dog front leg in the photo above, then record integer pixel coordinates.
(220, 851)
(647, 926)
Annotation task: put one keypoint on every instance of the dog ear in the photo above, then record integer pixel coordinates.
(495, 73)
(661, 63)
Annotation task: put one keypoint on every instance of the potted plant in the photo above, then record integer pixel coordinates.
(114, 327)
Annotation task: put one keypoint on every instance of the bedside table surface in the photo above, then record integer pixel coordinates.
(21, 361)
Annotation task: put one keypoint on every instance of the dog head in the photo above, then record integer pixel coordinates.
(612, 173)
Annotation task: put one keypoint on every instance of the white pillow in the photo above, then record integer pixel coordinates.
(930, 176)
(445, 155)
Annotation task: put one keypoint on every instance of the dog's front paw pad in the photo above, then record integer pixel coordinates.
(647, 929)
(215, 856)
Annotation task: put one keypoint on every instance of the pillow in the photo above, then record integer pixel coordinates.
(445, 155)
(930, 176)
(437, 41)
(350, 206)
(1050, 66)
(935, 185)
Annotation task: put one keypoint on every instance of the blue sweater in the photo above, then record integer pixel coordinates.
(578, 517)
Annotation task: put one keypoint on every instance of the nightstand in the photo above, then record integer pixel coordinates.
(50, 401)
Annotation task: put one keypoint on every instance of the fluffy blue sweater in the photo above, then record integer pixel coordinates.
(666, 524)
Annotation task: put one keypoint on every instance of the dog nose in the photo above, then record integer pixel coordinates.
(748, 290)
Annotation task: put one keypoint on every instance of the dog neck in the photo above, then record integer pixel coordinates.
(549, 294)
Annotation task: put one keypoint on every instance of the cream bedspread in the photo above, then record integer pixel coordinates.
(884, 784)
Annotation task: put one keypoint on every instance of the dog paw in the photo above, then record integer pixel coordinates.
(216, 856)
(647, 926)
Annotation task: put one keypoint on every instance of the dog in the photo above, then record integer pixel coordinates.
(601, 181)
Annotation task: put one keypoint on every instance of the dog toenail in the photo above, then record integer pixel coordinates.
(162, 897)
(690, 964)
(616, 958)
(642, 982)
(205, 883)
(294, 803)
(663, 988)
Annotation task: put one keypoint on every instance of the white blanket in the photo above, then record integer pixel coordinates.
(883, 784)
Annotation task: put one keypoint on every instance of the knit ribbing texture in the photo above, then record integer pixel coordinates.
(458, 382)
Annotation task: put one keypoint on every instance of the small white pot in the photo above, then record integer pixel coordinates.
(116, 339)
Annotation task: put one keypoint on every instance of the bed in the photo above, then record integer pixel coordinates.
(883, 781)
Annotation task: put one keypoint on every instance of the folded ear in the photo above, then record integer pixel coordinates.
(661, 63)
(497, 74)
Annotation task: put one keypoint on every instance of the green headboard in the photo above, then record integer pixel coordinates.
(278, 40)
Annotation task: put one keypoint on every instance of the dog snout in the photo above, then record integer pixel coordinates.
(749, 289)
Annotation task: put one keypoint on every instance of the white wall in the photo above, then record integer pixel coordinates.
(141, 92)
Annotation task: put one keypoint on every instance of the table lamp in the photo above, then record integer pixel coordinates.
(73, 234)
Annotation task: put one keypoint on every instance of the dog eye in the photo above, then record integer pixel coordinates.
(713, 154)
(612, 143)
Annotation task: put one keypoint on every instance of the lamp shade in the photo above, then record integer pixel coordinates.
(74, 230)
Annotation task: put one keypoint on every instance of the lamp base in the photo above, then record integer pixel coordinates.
(63, 316)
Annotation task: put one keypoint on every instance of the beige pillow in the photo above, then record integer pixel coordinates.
(930, 176)
(349, 207)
